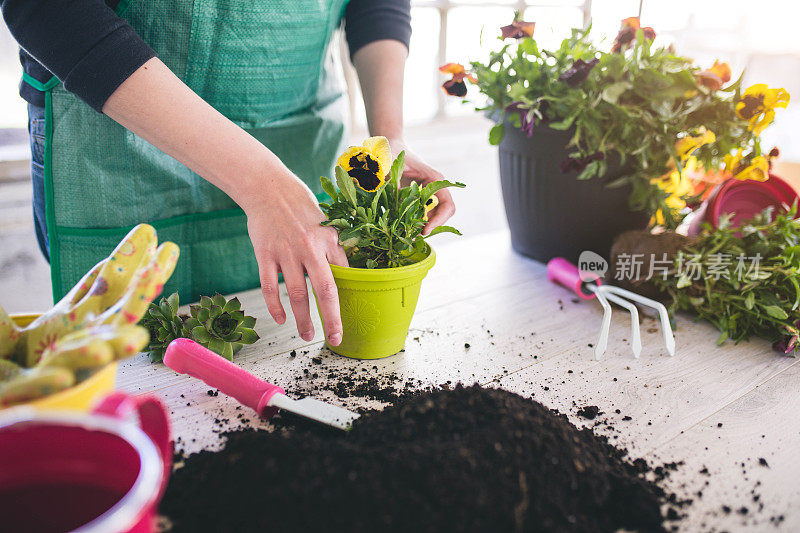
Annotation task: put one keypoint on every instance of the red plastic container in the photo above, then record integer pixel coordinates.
(98, 472)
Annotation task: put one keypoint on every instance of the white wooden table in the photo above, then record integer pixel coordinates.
(720, 408)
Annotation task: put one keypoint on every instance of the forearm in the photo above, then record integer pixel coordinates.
(380, 67)
(154, 104)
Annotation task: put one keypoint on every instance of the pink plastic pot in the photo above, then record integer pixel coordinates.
(747, 198)
(104, 471)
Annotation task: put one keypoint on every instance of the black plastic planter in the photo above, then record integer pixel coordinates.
(553, 214)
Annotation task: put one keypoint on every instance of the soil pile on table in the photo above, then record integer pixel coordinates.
(466, 459)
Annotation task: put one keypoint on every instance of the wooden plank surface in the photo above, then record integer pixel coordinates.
(531, 337)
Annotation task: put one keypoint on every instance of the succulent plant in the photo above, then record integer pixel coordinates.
(220, 325)
(164, 325)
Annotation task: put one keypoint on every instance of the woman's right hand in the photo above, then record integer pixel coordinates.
(283, 217)
(285, 227)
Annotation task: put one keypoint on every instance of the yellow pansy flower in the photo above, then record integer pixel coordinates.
(746, 168)
(678, 185)
(368, 164)
(432, 202)
(758, 103)
(687, 145)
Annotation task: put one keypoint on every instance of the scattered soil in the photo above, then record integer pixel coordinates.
(458, 459)
(589, 412)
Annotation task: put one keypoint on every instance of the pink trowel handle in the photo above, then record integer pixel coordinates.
(561, 271)
(187, 357)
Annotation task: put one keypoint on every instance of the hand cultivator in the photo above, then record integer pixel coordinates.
(588, 286)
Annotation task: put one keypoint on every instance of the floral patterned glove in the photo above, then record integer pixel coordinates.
(91, 326)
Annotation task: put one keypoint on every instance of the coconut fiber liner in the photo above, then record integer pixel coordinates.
(466, 459)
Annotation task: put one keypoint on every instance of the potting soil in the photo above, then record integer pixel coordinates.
(461, 459)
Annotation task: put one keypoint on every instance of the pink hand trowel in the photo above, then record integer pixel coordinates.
(187, 357)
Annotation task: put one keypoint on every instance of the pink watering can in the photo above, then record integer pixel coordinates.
(100, 472)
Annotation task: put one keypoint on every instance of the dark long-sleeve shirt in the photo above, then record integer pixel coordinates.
(92, 50)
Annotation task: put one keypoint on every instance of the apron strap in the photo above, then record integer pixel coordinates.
(38, 85)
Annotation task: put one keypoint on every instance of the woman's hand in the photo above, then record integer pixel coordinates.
(285, 229)
(417, 170)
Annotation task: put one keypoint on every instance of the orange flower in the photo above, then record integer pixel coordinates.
(627, 33)
(715, 77)
(518, 29)
(456, 86)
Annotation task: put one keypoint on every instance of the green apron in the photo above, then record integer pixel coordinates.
(264, 64)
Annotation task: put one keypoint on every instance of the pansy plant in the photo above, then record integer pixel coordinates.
(659, 111)
(379, 222)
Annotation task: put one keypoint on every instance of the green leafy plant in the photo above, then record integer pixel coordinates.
(218, 324)
(164, 325)
(743, 280)
(656, 110)
(381, 228)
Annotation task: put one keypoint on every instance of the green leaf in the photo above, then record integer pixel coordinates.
(346, 186)
(612, 92)
(338, 223)
(433, 187)
(565, 123)
(172, 301)
(248, 336)
(232, 305)
(327, 186)
(528, 46)
(200, 335)
(443, 229)
(496, 134)
(397, 171)
(750, 300)
(775, 312)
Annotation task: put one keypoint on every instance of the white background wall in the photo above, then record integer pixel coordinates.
(759, 35)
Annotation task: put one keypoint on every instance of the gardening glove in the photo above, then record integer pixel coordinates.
(92, 325)
(71, 359)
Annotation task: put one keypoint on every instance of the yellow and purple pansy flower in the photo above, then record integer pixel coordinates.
(578, 72)
(748, 167)
(715, 77)
(678, 186)
(758, 103)
(627, 33)
(368, 164)
(518, 29)
(455, 86)
(430, 203)
(686, 146)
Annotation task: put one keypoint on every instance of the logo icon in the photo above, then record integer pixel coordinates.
(591, 266)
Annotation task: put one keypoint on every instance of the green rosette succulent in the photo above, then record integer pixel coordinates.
(164, 325)
(220, 325)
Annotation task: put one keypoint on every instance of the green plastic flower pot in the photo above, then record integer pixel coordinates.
(377, 306)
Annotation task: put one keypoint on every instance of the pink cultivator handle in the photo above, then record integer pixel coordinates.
(187, 357)
(561, 271)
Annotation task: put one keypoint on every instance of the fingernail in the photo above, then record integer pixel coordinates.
(335, 339)
(280, 319)
(307, 335)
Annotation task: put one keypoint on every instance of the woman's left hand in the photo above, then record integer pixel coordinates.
(417, 170)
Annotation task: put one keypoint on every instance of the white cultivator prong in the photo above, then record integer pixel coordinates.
(561, 271)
